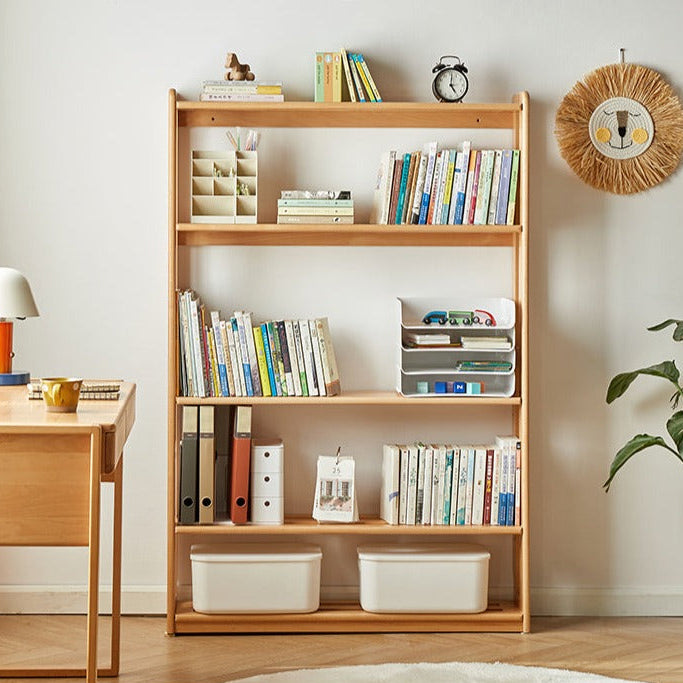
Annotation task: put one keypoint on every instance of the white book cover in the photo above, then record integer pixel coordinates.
(455, 483)
(220, 354)
(237, 347)
(436, 185)
(382, 193)
(244, 351)
(293, 358)
(447, 482)
(518, 483)
(428, 485)
(495, 489)
(317, 358)
(495, 186)
(481, 210)
(185, 298)
(462, 183)
(430, 152)
(469, 489)
(438, 205)
(309, 362)
(389, 494)
(469, 189)
(403, 485)
(439, 472)
(228, 358)
(197, 348)
(412, 484)
(457, 174)
(479, 483)
(462, 485)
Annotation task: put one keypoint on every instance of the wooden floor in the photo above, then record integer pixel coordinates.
(645, 649)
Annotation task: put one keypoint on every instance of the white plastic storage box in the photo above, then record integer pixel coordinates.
(255, 577)
(435, 577)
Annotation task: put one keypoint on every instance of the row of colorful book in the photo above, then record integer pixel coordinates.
(447, 187)
(241, 91)
(237, 358)
(329, 80)
(450, 484)
(305, 206)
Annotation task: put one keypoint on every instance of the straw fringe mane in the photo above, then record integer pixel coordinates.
(621, 176)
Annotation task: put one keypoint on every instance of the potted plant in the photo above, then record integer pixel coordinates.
(668, 371)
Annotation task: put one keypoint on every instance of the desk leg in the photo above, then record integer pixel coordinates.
(93, 554)
(116, 571)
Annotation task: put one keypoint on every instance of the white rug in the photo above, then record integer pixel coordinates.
(449, 672)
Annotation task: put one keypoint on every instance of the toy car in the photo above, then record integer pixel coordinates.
(440, 317)
(452, 317)
(482, 317)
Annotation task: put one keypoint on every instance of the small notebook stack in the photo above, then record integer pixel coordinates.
(91, 390)
(315, 206)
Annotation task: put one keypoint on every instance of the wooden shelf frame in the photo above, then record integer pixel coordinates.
(514, 116)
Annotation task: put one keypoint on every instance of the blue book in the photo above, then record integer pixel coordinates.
(462, 185)
(504, 187)
(451, 181)
(429, 176)
(246, 368)
(402, 189)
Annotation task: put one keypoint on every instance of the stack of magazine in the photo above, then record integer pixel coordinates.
(241, 91)
(315, 206)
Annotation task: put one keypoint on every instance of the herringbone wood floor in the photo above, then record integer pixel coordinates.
(645, 649)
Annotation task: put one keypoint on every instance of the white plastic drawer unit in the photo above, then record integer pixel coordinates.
(434, 577)
(243, 578)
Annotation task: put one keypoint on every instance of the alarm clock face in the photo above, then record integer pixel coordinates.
(450, 85)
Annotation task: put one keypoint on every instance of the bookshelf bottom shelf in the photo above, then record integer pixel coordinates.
(349, 617)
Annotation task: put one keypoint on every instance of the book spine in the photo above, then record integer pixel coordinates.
(395, 188)
(228, 358)
(308, 358)
(488, 486)
(370, 80)
(504, 189)
(419, 186)
(437, 490)
(315, 210)
(239, 366)
(220, 354)
(403, 484)
(300, 357)
(184, 307)
(330, 368)
(455, 480)
(495, 187)
(239, 97)
(244, 350)
(475, 188)
(358, 59)
(315, 202)
(336, 77)
(434, 193)
(347, 74)
(463, 181)
(389, 492)
(447, 486)
(495, 488)
(411, 503)
(213, 361)
(261, 359)
(204, 346)
(251, 348)
(448, 188)
(419, 496)
(198, 363)
(462, 486)
(481, 211)
(293, 358)
(429, 175)
(328, 75)
(312, 219)
(356, 78)
(479, 483)
(406, 217)
(269, 359)
(518, 484)
(512, 198)
(469, 489)
(317, 359)
(319, 81)
(286, 361)
(403, 183)
(273, 343)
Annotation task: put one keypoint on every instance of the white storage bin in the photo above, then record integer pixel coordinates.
(434, 577)
(267, 485)
(267, 456)
(244, 578)
(267, 510)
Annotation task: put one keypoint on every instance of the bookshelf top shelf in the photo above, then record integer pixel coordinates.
(350, 114)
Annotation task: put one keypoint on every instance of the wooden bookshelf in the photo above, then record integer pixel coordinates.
(513, 116)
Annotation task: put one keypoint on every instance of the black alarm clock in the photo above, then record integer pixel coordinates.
(450, 83)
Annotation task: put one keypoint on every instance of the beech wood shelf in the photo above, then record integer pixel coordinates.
(513, 116)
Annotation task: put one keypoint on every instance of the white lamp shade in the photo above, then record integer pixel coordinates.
(16, 298)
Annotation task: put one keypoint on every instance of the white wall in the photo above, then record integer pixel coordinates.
(83, 97)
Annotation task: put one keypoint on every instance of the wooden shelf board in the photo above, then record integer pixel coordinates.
(348, 617)
(348, 114)
(354, 234)
(378, 398)
(370, 526)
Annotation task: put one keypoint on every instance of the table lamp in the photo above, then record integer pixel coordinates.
(16, 301)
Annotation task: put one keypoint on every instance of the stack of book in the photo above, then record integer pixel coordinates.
(304, 206)
(91, 390)
(486, 343)
(360, 84)
(447, 187)
(241, 91)
(235, 357)
(450, 484)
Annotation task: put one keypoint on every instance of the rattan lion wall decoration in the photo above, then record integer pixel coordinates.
(621, 128)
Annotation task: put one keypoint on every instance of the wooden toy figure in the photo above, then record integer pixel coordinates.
(235, 70)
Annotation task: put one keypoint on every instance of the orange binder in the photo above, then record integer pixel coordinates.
(240, 465)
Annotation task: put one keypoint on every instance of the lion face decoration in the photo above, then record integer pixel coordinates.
(621, 129)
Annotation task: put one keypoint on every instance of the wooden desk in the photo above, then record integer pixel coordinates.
(52, 467)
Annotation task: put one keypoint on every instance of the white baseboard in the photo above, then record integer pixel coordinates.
(151, 600)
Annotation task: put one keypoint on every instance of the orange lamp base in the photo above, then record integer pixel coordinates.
(6, 346)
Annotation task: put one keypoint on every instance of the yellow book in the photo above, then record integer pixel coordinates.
(336, 77)
(261, 358)
(358, 59)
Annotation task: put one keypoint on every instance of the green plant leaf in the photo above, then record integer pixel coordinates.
(629, 449)
(674, 426)
(678, 331)
(621, 382)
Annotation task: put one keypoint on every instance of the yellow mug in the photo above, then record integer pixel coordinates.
(60, 394)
